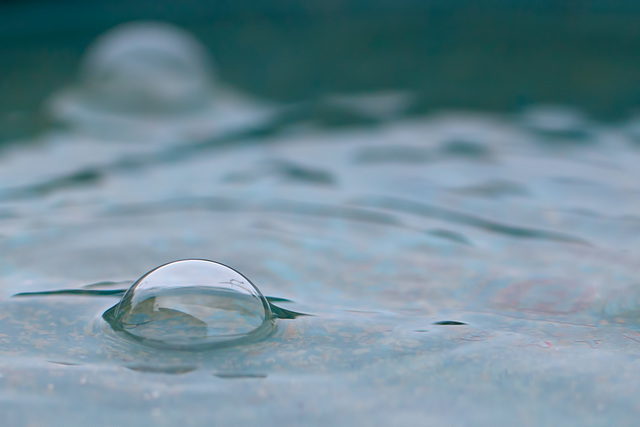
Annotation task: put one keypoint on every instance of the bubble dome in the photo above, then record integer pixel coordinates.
(148, 67)
(140, 77)
(192, 304)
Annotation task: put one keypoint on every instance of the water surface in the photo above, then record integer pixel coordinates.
(458, 267)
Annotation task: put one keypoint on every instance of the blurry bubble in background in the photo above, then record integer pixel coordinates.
(149, 81)
(147, 68)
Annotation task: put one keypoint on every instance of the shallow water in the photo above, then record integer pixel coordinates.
(457, 267)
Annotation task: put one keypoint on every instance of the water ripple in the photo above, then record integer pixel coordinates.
(432, 211)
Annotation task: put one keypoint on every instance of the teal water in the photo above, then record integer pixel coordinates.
(456, 267)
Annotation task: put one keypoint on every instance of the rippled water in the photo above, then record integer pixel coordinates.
(456, 267)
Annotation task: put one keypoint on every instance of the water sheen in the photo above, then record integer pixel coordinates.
(458, 267)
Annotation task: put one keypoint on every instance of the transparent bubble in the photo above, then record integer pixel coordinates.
(192, 304)
(147, 67)
(136, 73)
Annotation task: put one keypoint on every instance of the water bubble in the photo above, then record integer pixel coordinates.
(192, 304)
(146, 80)
(147, 68)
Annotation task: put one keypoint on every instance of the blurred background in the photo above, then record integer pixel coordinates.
(483, 55)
